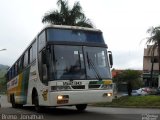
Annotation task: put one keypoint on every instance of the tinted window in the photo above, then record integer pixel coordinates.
(154, 60)
(25, 59)
(42, 41)
(30, 58)
(96, 63)
(22, 62)
(74, 35)
(34, 51)
(16, 68)
(19, 65)
(10, 74)
(69, 62)
(13, 71)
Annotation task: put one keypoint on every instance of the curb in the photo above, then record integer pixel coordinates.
(152, 107)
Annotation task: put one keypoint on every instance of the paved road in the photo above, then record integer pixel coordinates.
(70, 113)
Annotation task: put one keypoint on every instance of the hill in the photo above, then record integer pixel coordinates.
(3, 70)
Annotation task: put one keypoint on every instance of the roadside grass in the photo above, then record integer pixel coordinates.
(133, 101)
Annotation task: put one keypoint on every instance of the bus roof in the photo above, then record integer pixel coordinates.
(70, 27)
(60, 27)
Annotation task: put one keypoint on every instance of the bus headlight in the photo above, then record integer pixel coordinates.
(62, 99)
(107, 95)
(60, 88)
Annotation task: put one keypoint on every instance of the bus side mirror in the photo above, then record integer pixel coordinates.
(110, 58)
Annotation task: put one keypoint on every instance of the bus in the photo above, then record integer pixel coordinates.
(63, 66)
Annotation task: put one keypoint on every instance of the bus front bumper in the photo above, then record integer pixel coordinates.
(60, 98)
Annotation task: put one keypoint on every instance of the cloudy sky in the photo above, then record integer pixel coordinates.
(124, 24)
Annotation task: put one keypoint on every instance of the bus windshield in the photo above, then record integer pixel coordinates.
(96, 63)
(77, 62)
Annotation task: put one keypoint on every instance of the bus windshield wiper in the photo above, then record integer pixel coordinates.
(90, 63)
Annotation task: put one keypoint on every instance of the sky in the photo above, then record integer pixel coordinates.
(123, 22)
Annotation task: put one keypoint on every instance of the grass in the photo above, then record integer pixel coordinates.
(133, 101)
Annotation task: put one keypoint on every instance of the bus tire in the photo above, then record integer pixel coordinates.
(13, 102)
(14, 105)
(81, 107)
(38, 108)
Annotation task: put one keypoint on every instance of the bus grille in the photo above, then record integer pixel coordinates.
(94, 86)
(79, 87)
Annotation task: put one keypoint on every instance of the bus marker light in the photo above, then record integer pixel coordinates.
(107, 82)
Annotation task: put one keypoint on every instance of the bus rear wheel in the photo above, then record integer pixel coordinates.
(81, 107)
(14, 105)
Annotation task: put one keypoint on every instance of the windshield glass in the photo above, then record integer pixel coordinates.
(79, 62)
(69, 62)
(96, 63)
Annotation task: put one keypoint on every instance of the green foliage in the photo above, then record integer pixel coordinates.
(131, 78)
(134, 101)
(154, 39)
(3, 70)
(128, 75)
(138, 83)
(67, 16)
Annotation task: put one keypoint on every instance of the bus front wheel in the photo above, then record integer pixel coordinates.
(38, 108)
(81, 107)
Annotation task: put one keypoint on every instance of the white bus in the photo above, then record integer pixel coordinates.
(63, 66)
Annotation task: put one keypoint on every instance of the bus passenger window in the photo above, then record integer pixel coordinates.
(34, 51)
(10, 74)
(25, 59)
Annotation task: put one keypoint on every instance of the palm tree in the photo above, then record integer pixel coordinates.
(67, 16)
(154, 39)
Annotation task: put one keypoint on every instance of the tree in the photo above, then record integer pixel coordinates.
(129, 76)
(67, 16)
(154, 39)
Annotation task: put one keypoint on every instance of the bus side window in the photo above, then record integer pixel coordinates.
(7, 76)
(34, 51)
(16, 69)
(43, 66)
(10, 74)
(19, 66)
(30, 55)
(41, 41)
(25, 59)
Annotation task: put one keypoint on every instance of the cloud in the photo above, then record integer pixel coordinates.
(127, 60)
(124, 24)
